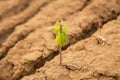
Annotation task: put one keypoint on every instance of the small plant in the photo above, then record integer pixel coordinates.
(60, 29)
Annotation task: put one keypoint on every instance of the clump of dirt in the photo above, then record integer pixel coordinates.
(27, 45)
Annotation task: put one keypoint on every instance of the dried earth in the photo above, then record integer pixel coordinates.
(28, 50)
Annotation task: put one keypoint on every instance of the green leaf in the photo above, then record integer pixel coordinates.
(61, 39)
(64, 29)
(56, 28)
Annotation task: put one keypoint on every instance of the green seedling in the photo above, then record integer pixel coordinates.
(60, 29)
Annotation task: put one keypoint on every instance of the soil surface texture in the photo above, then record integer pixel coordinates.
(28, 50)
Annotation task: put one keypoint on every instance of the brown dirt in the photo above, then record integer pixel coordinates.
(27, 41)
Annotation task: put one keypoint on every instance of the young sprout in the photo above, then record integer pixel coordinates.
(60, 29)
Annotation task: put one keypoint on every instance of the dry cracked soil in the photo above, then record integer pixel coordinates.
(28, 50)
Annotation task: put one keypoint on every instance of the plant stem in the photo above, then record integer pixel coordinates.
(60, 50)
(60, 28)
(60, 21)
